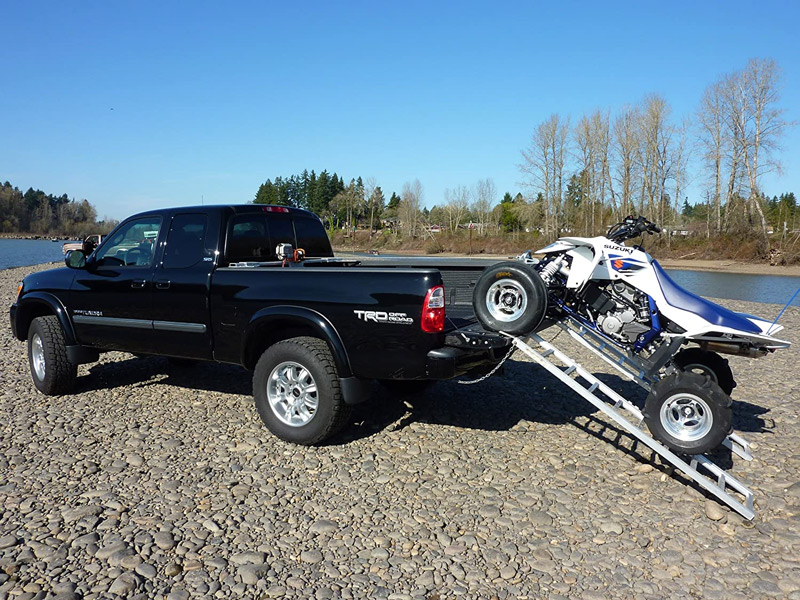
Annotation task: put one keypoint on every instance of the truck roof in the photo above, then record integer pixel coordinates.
(235, 208)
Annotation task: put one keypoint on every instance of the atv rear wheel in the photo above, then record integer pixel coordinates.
(688, 413)
(510, 297)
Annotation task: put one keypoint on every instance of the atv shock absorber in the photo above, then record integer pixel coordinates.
(551, 269)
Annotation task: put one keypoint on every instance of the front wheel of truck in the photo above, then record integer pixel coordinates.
(297, 391)
(51, 371)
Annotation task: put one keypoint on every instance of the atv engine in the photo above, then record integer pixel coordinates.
(622, 311)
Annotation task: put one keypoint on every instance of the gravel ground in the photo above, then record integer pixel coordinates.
(153, 482)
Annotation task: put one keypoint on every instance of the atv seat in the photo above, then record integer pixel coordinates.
(715, 314)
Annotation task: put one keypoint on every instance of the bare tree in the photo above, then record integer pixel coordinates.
(543, 168)
(625, 148)
(740, 128)
(408, 208)
(485, 198)
(374, 197)
(654, 156)
(714, 140)
(592, 141)
(761, 80)
(456, 206)
(680, 161)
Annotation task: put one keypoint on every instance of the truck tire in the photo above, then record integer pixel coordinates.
(688, 413)
(510, 297)
(704, 362)
(297, 391)
(52, 373)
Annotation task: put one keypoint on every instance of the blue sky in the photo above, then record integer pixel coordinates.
(137, 105)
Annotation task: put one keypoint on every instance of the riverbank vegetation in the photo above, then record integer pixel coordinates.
(35, 213)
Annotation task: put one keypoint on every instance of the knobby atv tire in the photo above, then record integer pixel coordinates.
(701, 361)
(331, 414)
(527, 298)
(59, 373)
(689, 384)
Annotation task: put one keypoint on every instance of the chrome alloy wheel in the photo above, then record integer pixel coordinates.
(292, 394)
(686, 417)
(37, 356)
(506, 300)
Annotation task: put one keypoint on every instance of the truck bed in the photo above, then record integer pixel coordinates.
(459, 276)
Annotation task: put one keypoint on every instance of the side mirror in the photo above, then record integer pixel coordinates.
(75, 259)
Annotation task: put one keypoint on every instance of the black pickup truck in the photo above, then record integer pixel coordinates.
(257, 286)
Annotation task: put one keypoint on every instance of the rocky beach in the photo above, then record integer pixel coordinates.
(157, 481)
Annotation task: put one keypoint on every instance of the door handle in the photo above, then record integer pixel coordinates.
(138, 283)
(162, 285)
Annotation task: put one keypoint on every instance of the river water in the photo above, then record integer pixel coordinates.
(773, 289)
(21, 253)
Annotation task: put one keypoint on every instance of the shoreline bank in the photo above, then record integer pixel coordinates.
(719, 266)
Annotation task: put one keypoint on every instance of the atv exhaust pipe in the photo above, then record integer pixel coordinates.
(735, 349)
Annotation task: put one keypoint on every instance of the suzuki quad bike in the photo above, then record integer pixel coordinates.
(626, 300)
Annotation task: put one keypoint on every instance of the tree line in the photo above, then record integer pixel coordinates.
(362, 203)
(36, 212)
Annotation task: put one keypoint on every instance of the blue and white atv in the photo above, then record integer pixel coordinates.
(623, 297)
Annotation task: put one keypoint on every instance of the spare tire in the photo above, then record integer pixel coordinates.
(510, 297)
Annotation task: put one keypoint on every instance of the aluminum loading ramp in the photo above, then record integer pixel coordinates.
(698, 468)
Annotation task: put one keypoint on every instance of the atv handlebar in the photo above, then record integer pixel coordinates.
(631, 227)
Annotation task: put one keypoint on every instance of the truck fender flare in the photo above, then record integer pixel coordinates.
(28, 304)
(301, 316)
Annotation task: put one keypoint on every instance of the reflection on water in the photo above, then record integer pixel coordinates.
(773, 289)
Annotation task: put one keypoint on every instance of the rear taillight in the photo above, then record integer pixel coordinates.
(433, 311)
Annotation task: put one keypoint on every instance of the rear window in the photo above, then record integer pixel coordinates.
(311, 237)
(253, 236)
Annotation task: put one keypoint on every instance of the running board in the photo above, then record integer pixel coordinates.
(699, 469)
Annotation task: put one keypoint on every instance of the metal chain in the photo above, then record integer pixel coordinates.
(500, 364)
(493, 371)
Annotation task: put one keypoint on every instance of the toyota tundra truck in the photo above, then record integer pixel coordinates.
(257, 286)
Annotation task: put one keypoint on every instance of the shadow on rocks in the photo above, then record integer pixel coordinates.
(525, 393)
(748, 417)
(140, 372)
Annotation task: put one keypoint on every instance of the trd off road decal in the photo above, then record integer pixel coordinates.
(379, 316)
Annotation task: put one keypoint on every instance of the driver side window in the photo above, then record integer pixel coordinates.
(133, 245)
